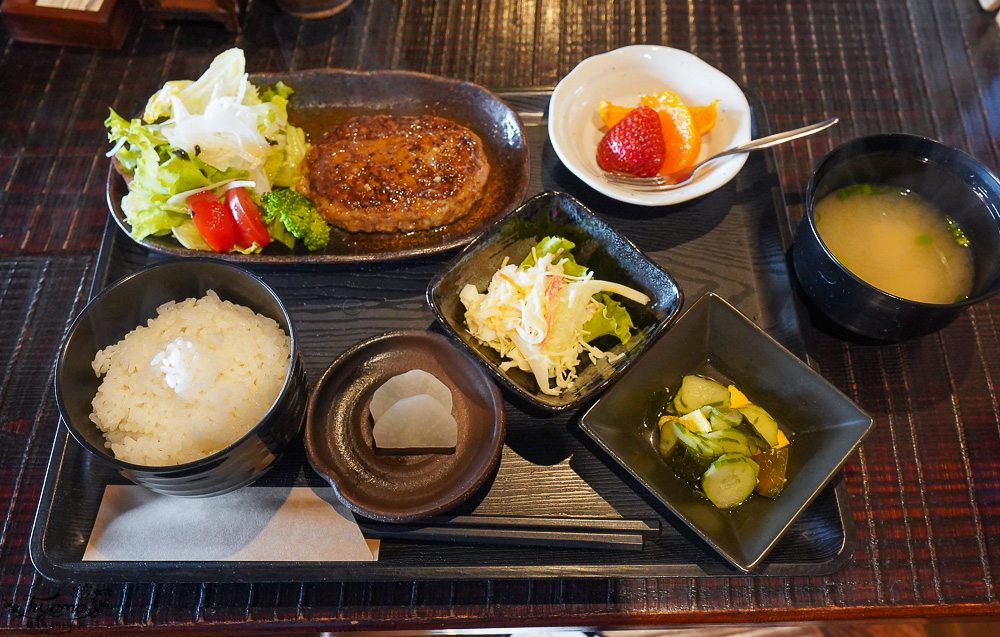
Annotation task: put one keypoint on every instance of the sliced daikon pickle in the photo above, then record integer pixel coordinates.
(417, 422)
(411, 383)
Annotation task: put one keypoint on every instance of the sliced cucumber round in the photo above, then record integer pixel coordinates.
(697, 391)
(730, 480)
(762, 421)
(668, 438)
(731, 440)
(723, 417)
(692, 454)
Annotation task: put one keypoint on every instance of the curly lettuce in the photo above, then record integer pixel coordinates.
(203, 134)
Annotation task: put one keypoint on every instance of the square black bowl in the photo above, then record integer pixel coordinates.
(715, 340)
(605, 252)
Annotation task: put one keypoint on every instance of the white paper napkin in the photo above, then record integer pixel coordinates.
(250, 524)
(73, 5)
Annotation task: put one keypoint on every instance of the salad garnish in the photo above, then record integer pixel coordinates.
(544, 313)
(202, 136)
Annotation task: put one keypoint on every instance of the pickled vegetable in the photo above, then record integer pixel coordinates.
(715, 438)
(730, 480)
(762, 422)
(697, 391)
(773, 465)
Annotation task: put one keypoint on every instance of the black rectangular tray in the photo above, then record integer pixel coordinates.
(549, 466)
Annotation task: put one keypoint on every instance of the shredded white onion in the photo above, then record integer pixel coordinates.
(117, 147)
(240, 183)
(182, 196)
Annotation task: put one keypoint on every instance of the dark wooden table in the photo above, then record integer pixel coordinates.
(925, 487)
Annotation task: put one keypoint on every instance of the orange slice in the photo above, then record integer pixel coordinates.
(611, 114)
(655, 101)
(703, 117)
(681, 139)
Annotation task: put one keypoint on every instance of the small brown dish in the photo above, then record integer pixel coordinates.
(324, 98)
(395, 487)
(313, 9)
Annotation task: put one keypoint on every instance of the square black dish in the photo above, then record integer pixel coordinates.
(606, 253)
(715, 340)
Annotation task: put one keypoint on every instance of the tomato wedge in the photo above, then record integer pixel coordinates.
(213, 221)
(250, 229)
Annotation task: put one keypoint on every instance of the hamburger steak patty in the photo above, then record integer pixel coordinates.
(387, 173)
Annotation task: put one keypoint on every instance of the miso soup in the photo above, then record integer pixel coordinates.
(898, 242)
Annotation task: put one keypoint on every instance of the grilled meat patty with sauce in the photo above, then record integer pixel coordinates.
(386, 173)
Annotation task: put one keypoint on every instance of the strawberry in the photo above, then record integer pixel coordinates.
(634, 145)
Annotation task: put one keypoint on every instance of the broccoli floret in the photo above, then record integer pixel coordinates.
(299, 216)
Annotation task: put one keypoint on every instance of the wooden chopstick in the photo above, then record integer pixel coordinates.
(505, 536)
(648, 528)
(552, 532)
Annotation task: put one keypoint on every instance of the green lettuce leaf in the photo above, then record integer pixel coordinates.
(159, 169)
(561, 247)
(189, 237)
(157, 174)
(141, 153)
(612, 319)
(148, 216)
(279, 91)
(283, 168)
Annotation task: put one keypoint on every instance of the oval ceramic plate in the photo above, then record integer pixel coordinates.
(326, 97)
(390, 486)
(621, 76)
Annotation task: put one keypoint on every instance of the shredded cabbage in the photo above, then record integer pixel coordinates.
(541, 317)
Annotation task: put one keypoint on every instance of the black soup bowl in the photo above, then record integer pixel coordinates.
(131, 302)
(951, 180)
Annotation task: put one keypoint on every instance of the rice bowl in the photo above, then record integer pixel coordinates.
(132, 301)
(190, 382)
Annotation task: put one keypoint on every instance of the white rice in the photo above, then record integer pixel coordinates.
(191, 382)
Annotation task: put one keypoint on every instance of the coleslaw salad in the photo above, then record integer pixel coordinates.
(543, 314)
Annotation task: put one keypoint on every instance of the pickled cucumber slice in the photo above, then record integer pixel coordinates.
(731, 440)
(762, 421)
(691, 455)
(723, 417)
(730, 480)
(697, 391)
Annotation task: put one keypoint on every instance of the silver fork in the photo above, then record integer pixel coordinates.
(661, 183)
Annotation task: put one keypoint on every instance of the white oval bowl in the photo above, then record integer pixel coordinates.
(621, 76)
